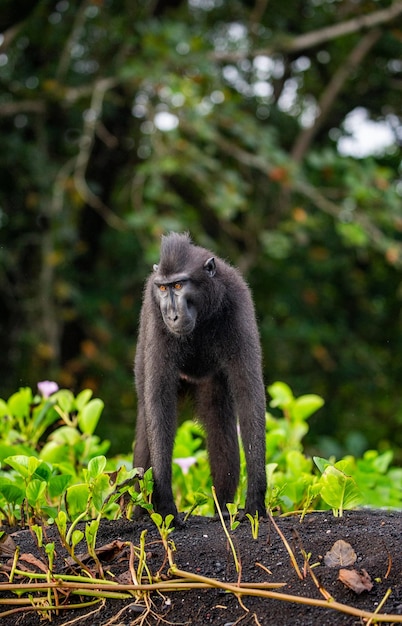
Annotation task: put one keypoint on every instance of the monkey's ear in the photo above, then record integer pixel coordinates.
(156, 267)
(210, 266)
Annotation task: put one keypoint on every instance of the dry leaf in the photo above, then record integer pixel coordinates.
(7, 546)
(106, 553)
(32, 560)
(109, 551)
(340, 555)
(357, 581)
(125, 578)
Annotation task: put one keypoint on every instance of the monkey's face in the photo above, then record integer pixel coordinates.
(177, 307)
(182, 294)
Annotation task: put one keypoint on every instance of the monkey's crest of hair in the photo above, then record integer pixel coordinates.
(175, 253)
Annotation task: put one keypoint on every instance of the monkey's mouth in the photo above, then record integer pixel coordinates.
(180, 329)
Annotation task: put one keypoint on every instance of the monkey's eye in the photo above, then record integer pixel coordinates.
(178, 286)
(162, 288)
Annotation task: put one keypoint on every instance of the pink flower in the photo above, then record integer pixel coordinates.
(47, 387)
(185, 463)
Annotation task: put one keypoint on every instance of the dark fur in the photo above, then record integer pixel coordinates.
(205, 334)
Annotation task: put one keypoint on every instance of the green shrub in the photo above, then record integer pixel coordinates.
(52, 462)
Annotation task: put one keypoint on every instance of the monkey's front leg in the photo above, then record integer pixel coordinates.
(249, 394)
(161, 428)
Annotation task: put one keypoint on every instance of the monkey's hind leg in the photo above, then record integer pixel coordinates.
(215, 408)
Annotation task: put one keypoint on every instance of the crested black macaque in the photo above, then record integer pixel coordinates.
(198, 330)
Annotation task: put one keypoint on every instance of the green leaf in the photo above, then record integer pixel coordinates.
(306, 405)
(66, 434)
(43, 471)
(125, 474)
(19, 403)
(297, 464)
(339, 491)
(38, 530)
(50, 551)
(65, 399)
(91, 531)
(44, 416)
(3, 410)
(346, 465)
(35, 492)
(232, 508)
(147, 482)
(96, 466)
(88, 418)
(7, 450)
(168, 520)
(77, 498)
(34, 465)
(83, 398)
(157, 519)
(282, 395)
(101, 491)
(321, 463)
(54, 453)
(61, 523)
(270, 469)
(57, 485)
(76, 537)
(381, 462)
(11, 492)
(23, 464)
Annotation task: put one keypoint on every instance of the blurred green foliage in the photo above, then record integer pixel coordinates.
(120, 121)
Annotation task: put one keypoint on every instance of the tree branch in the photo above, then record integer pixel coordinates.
(378, 238)
(258, 11)
(9, 35)
(75, 34)
(85, 148)
(317, 37)
(24, 106)
(362, 22)
(330, 93)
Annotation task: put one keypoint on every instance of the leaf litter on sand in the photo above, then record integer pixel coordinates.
(340, 555)
(357, 581)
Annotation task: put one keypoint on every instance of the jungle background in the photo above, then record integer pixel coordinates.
(237, 121)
